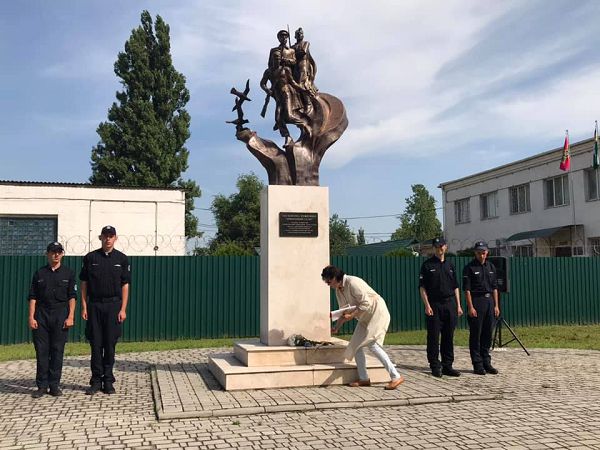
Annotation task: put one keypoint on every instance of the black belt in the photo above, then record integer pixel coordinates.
(443, 299)
(481, 295)
(105, 299)
(55, 305)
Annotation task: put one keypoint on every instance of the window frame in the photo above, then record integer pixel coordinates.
(27, 239)
(487, 196)
(466, 212)
(564, 188)
(527, 192)
(519, 249)
(588, 173)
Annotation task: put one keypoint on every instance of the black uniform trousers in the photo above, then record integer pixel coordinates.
(49, 341)
(443, 321)
(103, 331)
(480, 331)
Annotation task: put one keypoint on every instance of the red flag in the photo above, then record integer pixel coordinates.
(565, 163)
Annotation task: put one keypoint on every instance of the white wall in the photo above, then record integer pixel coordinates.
(144, 218)
(534, 171)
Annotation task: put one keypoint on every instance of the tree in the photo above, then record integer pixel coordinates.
(419, 219)
(142, 143)
(238, 216)
(360, 239)
(403, 252)
(340, 236)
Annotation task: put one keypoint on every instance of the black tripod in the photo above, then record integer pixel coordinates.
(498, 333)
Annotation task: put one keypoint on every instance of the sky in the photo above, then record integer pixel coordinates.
(434, 90)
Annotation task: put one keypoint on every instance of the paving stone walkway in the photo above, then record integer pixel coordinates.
(550, 399)
(190, 390)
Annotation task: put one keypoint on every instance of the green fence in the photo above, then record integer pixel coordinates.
(210, 297)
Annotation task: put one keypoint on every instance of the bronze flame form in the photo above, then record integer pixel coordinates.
(321, 118)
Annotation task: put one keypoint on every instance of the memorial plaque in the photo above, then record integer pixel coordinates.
(297, 224)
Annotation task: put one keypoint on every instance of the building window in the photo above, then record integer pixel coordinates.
(523, 250)
(519, 199)
(494, 251)
(595, 246)
(488, 203)
(26, 235)
(592, 184)
(461, 211)
(557, 191)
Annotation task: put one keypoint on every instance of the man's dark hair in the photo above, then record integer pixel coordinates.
(332, 272)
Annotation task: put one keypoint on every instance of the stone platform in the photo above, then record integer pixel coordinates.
(188, 390)
(254, 365)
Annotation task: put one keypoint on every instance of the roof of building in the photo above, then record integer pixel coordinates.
(518, 162)
(379, 248)
(84, 185)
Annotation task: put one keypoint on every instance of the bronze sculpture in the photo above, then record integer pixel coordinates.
(321, 118)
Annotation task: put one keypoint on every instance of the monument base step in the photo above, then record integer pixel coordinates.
(232, 374)
(253, 353)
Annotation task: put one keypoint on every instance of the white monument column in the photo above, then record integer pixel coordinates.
(294, 248)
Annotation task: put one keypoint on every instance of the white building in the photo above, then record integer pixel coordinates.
(148, 221)
(529, 207)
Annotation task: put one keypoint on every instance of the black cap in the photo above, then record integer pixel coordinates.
(480, 245)
(438, 241)
(109, 230)
(55, 247)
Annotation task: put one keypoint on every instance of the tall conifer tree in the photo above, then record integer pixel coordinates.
(143, 141)
(419, 220)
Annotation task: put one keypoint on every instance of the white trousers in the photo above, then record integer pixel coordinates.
(361, 361)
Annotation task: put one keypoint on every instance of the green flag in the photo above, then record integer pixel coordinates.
(595, 158)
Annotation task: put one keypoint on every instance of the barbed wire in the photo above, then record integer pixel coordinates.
(132, 244)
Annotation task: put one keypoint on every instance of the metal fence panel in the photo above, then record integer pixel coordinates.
(174, 297)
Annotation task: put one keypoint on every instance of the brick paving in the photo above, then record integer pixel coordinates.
(548, 400)
(190, 390)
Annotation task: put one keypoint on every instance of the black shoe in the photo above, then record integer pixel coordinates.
(55, 391)
(451, 372)
(490, 369)
(93, 389)
(479, 371)
(108, 388)
(437, 372)
(40, 393)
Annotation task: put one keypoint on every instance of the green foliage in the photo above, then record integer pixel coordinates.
(231, 249)
(360, 238)
(466, 252)
(238, 216)
(400, 252)
(419, 219)
(340, 236)
(142, 143)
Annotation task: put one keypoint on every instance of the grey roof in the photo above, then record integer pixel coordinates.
(379, 248)
(84, 185)
(520, 161)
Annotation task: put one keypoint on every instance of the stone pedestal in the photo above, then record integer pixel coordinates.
(254, 365)
(293, 298)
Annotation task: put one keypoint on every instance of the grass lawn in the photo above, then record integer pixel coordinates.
(585, 337)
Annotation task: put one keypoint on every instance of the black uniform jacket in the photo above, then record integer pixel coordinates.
(105, 273)
(51, 287)
(479, 278)
(438, 278)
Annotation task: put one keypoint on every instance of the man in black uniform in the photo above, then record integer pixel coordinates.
(105, 278)
(439, 291)
(481, 289)
(51, 313)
